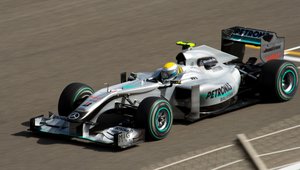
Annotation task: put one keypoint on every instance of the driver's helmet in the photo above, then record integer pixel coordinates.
(169, 71)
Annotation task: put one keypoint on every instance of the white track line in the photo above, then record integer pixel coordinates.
(273, 133)
(225, 147)
(291, 58)
(228, 164)
(192, 157)
(294, 48)
(281, 151)
(286, 165)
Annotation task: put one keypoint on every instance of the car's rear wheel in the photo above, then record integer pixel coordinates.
(72, 96)
(279, 80)
(156, 116)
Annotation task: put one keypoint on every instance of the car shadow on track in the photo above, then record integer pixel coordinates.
(48, 139)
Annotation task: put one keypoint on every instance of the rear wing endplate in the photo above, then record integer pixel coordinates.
(272, 46)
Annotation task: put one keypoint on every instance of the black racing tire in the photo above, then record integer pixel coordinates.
(279, 80)
(155, 115)
(72, 96)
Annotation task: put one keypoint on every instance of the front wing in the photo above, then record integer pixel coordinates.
(118, 136)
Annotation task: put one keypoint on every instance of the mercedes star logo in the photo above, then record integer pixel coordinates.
(74, 115)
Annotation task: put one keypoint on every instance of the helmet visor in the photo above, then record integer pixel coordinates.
(167, 74)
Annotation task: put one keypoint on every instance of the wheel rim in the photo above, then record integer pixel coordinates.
(288, 81)
(162, 122)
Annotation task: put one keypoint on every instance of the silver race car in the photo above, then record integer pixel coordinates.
(204, 81)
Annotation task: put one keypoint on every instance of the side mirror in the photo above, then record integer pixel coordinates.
(132, 76)
(207, 62)
(209, 65)
(123, 77)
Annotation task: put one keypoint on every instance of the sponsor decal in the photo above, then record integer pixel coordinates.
(250, 33)
(223, 92)
(271, 49)
(94, 98)
(273, 56)
(122, 129)
(125, 135)
(125, 139)
(87, 104)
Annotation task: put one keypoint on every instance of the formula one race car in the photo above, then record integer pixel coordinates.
(204, 81)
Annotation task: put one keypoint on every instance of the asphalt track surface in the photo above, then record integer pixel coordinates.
(44, 45)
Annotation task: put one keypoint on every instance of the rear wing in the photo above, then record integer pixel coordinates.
(235, 38)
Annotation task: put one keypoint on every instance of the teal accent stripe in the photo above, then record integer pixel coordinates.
(129, 86)
(247, 40)
(226, 94)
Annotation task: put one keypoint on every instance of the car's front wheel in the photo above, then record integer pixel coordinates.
(156, 116)
(72, 96)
